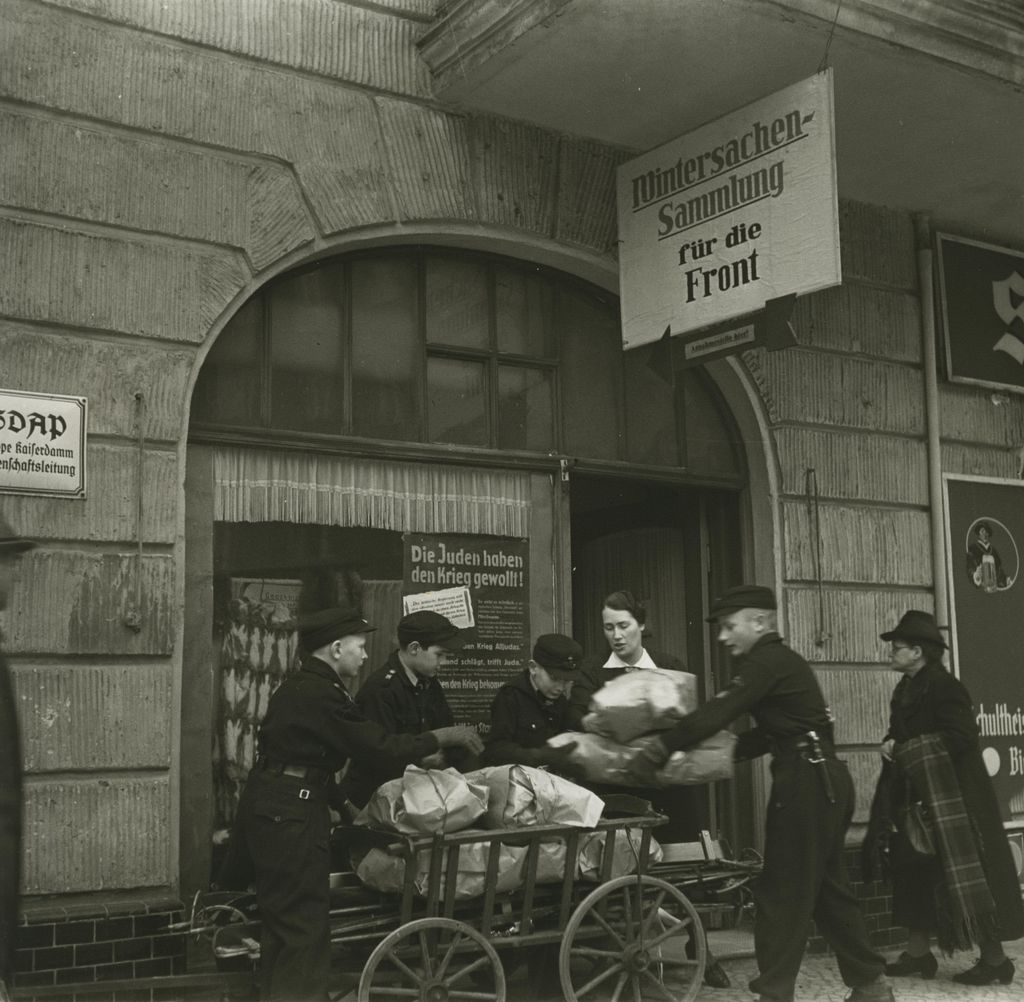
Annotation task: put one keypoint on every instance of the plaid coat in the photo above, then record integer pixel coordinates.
(934, 702)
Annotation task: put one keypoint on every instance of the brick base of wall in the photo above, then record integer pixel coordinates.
(96, 942)
(875, 899)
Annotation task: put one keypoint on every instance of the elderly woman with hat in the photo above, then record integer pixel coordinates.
(311, 729)
(11, 548)
(952, 871)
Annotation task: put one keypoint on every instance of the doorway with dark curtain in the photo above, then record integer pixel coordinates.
(672, 546)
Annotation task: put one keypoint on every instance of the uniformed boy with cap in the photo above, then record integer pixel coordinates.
(534, 706)
(12, 547)
(311, 729)
(810, 807)
(405, 697)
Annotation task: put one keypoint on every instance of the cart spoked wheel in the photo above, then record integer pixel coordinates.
(433, 960)
(629, 940)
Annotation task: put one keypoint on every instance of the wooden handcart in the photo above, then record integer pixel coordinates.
(631, 937)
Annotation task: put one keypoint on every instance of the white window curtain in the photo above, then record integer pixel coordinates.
(255, 485)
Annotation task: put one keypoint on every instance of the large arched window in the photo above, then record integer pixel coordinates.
(448, 348)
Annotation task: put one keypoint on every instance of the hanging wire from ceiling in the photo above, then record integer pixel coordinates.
(831, 33)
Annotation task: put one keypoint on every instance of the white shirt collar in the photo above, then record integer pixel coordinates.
(614, 661)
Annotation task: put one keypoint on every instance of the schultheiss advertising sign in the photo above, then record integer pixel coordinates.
(742, 211)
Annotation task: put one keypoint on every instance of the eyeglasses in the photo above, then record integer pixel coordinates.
(900, 647)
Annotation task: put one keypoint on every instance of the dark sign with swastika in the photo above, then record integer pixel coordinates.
(982, 306)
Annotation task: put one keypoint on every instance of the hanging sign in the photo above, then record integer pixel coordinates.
(985, 548)
(982, 299)
(480, 583)
(744, 210)
(42, 444)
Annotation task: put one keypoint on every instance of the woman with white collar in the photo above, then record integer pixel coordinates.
(624, 619)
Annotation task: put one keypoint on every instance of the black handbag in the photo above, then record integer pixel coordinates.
(919, 828)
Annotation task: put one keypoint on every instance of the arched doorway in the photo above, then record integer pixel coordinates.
(354, 403)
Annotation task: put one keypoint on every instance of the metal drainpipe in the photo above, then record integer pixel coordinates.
(925, 281)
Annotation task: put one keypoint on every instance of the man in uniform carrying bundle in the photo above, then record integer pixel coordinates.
(811, 802)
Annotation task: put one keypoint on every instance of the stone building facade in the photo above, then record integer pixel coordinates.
(164, 162)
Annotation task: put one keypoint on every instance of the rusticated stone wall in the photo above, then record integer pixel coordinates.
(162, 159)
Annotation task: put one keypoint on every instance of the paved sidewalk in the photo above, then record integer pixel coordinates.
(820, 982)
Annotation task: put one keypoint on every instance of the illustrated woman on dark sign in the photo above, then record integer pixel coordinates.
(984, 564)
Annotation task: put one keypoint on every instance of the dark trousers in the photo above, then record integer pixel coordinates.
(285, 834)
(804, 878)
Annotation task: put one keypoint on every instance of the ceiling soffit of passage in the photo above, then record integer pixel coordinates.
(468, 42)
(929, 94)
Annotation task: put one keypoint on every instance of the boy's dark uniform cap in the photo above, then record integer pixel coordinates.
(429, 628)
(915, 625)
(11, 542)
(327, 625)
(557, 652)
(742, 597)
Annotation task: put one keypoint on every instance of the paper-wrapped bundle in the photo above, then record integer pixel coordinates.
(638, 702)
(384, 871)
(601, 760)
(625, 853)
(521, 796)
(707, 762)
(605, 761)
(550, 862)
(426, 801)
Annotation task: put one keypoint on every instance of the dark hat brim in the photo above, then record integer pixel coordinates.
(914, 638)
(564, 672)
(719, 613)
(455, 642)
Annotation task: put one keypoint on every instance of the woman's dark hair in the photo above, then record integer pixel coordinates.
(625, 601)
(932, 653)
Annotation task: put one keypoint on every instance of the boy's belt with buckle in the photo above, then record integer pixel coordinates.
(311, 773)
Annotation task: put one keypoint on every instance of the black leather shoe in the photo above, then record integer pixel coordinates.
(984, 974)
(715, 976)
(926, 965)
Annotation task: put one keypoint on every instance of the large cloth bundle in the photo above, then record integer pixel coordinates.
(711, 760)
(426, 801)
(603, 760)
(521, 796)
(384, 871)
(625, 853)
(638, 702)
